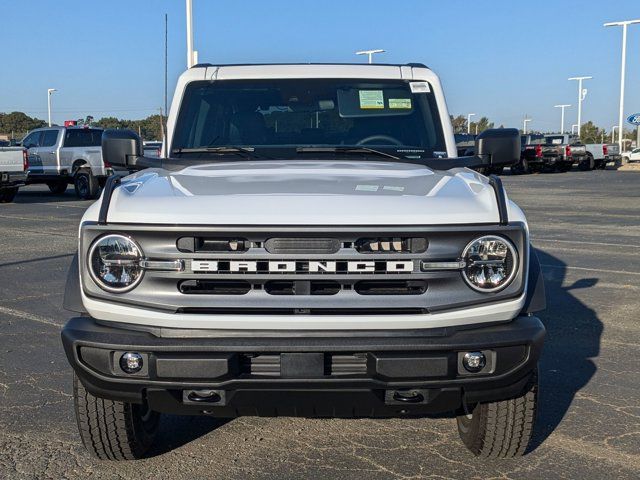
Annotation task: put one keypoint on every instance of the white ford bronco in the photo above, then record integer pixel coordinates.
(309, 244)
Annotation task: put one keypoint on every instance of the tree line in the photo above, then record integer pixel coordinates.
(17, 124)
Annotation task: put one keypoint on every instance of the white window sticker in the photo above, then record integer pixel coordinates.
(371, 99)
(403, 103)
(419, 87)
(367, 188)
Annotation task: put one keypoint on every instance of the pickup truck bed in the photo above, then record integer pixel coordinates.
(13, 172)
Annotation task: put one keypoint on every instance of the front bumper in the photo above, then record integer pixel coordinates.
(302, 373)
(12, 179)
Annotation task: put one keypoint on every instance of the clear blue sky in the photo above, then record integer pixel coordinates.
(500, 58)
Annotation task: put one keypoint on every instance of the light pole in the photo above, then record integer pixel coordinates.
(469, 122)
(581, 94)
(49, 93)
(526, 121)
(192, 55)
(370, 53)
(624, 25)
(562, 116)
(613, 135)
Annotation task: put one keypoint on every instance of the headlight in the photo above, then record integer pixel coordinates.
(491, 263)
(114, 263)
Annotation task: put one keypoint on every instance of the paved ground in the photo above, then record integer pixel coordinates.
(587, 226)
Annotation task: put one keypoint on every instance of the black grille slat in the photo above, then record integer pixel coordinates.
(214, 287)
(391, 287)
(335, 365)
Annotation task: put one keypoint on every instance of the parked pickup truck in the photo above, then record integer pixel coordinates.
(530, 154)
(561, 151)
(62, 155)
(313, 246)
(13, 172)
(599, 155)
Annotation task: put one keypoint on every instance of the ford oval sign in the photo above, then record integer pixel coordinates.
(634, 119)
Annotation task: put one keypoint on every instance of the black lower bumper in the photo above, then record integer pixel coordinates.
(12, 179)
(302, 373)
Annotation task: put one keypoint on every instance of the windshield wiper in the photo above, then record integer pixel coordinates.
(245, 152)
(347, 150)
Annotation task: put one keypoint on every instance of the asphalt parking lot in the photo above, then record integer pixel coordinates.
(586, 226)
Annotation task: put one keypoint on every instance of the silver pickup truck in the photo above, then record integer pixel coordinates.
(59, 156)
(13, 172)
(599, 155)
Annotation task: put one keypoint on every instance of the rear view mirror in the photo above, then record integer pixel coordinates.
(121, 148)
(499, 146)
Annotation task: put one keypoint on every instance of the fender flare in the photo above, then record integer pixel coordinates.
(72, 296)
(536, 299)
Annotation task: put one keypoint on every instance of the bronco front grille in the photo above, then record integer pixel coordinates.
(312, 271)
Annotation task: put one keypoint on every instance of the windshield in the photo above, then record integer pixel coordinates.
(557, 140)
(288, 114)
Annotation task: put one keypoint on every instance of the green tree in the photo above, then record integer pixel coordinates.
(459, 124)
(18, 123)
(149, 128)
(481, 125)
(590, 133)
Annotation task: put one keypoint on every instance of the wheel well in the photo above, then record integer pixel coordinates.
(77, 165)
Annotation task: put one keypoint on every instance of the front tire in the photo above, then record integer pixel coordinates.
(113, 430)
(86, 185)
(501, 429)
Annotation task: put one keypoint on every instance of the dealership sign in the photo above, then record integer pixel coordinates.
(634, 119)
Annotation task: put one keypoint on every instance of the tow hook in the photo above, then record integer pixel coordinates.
(405, 396)
(202, 396)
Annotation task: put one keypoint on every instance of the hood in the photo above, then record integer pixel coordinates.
(310, 192)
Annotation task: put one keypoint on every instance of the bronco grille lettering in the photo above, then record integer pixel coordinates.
(301, 266)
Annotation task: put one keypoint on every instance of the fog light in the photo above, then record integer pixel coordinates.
(131, 362)
(474, 361)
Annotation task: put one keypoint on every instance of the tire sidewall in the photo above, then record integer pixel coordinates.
(85, 184)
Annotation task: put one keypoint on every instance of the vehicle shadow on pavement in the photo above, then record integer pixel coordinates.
(572, 343)
(44, 196)
(176, 431)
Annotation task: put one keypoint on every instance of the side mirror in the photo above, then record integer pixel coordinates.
(122, 149)
(499, 146)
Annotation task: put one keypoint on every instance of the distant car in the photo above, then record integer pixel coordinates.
(632, 156)
(152, 149)
(465, 143)
(62, 155)
(5, 143)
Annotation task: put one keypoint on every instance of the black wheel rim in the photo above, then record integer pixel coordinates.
(83, 186)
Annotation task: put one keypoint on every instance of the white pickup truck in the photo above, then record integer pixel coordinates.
(313, 246)
(13, 172)
(599, 155)
(62, 155)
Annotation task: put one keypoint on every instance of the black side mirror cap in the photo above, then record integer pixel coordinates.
(500, 146)
(122, 149)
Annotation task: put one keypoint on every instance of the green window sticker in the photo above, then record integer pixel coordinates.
(371, 99)
(404, 103)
